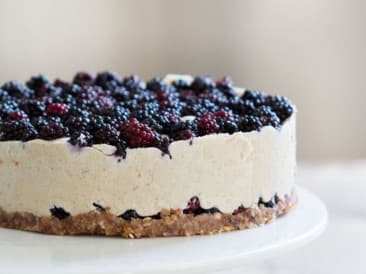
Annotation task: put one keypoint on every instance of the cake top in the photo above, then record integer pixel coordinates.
(127, 112)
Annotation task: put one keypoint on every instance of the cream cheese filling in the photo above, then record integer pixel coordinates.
(222, 170)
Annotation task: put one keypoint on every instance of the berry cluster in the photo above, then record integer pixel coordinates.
(127, 112)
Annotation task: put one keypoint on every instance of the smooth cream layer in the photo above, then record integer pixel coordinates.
(222, 170)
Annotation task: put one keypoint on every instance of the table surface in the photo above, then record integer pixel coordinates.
(340, 249)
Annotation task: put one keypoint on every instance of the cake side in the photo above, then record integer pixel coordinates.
(224, 171)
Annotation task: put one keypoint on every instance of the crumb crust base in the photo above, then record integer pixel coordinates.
(172, 222)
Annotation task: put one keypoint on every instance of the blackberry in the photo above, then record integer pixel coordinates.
(162, 142)
(17, 130)
(4, 95)
(281, 106)
(242, 107)
(17, 90)
(77, 123)
(130, 214)
(185, 134)
(106, 134)
(201, 83)
(33, 107)
(84, 78)
(250, 123)
(120, 94)
(268, 117)
(270, 204)
(16, 116)
(81, 139)
(59, 213)
(156, 84)
(132, 82)
(53, 131)
(137, 134)
(40, 84)
(62, 84)
(39, 121)
(108, 80)
(181, 84)
(194, 207)
(207, 124)
(257, 97)
(225, 85)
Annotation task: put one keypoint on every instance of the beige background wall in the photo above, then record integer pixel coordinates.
(312, 51)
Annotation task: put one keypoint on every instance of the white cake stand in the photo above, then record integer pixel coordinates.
(23, 252)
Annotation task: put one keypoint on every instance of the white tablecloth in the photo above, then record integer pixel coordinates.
(341, 248)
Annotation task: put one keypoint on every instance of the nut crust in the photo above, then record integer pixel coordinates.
(171, 223)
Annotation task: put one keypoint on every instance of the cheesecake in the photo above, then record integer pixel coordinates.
(174, 156)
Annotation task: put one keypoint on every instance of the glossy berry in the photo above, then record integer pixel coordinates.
(53, 131)
(57, 109)
(193, 205)
(137, 134)
(16, 116)
(17, 130)
(250, 123)
(207, 124)
(84, 78)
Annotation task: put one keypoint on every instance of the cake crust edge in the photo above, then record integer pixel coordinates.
(172, 222)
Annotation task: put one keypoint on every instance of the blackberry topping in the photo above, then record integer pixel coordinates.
(99, 207)
(84, 78)
(137, 134)
(16, 116)
(81, 139)
(127, 113)
(194, 207)
(254, 96)
(201, 83)
(207, 124)
(59, 213)
(17, 90)
(57, 109)
(108, 80)
(156, 84)
(130, 214)
(270, 204)
(39, 84)
(268, 117)
(17, 130)
(33, 107)
(250, 123)
(53, 131)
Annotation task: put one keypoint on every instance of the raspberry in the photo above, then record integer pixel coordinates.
(137, 134)
(57, 109)
(207, 124)
(16, 116)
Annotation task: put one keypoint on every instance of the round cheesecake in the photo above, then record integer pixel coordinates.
(109, 156)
